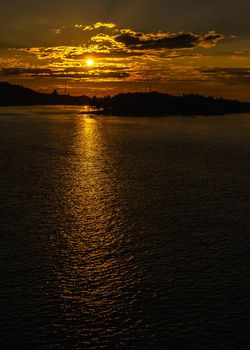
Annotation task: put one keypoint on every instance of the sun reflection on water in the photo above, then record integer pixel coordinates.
(98, 275)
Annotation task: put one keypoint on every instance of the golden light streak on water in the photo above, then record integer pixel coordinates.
(96, 274)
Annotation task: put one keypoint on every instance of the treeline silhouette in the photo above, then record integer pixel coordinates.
(159, 104)
(15, 95)
(130, 104)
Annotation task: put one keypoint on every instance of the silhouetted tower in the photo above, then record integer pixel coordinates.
(150, 88)
(65, 91)
(65, 87)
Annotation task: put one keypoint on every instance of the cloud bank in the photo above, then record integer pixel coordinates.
(119, 54)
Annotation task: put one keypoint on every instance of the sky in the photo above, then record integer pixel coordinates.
(177, 47)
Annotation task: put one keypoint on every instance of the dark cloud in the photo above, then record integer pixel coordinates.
(112, 54)
(141, 41)
(97, 75)
(228, 75)
(227, 71)
(25, 71)
(82, 69)
(65, 73)
(241, 53)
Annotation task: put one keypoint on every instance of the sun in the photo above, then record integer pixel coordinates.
(90, 62)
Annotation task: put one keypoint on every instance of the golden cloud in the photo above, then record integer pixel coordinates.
(119, 54)
(97, 25)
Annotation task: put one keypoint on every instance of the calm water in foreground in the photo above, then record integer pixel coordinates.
(124, 233)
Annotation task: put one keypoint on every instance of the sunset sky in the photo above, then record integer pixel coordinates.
(176, 46)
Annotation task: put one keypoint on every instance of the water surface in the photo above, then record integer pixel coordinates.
(123, 233)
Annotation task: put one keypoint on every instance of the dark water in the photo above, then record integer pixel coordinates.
(124, 233)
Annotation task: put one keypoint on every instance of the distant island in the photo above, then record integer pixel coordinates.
(126, 104)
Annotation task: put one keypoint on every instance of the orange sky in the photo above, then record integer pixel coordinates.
(210, 62)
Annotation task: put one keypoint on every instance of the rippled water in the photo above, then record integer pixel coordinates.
(123, 233)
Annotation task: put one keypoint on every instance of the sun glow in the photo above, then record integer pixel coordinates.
(90, 62)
